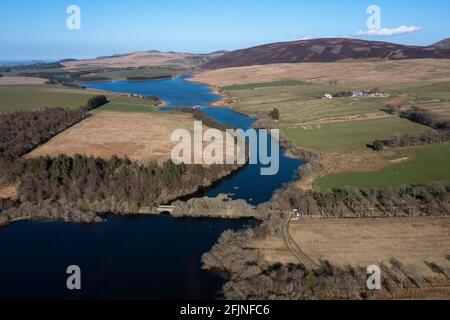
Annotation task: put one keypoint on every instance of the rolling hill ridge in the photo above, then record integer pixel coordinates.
(327, 50)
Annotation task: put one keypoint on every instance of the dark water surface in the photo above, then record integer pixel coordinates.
(134, 257)
(124, 258)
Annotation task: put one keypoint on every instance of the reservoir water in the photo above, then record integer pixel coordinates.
(247, 184)
(134, 257)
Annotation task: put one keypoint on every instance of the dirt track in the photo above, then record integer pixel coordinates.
(364, 242)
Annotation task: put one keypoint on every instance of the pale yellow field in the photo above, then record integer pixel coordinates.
(5, 81)
(365, 242)
(142, 137)
(392, 72)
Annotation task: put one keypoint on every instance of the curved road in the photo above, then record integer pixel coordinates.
(295, 249)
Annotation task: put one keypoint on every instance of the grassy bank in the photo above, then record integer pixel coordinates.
(140, 72)
(128, 104)
(429, 163)
(348, 136)
(344, 127)
(30, 97)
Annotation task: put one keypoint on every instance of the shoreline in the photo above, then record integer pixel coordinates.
(87, 213)
(310, 158)
(217, 90)
(161, 105)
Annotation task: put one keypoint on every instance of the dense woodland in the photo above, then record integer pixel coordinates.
(20, 132)
(143, 78)
(89, 179)
(431, 199)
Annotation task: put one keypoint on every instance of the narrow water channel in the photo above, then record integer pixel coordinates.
(134, 257)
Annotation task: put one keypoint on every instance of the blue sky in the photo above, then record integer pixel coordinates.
(37, 29)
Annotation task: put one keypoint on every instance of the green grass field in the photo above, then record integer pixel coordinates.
(141, 72)
(348, 136)
(336, 125)
(266, 98)
(347, 125)
(324, 110)
(429, 163)
(16, 72)
(29, 97)
(303, 103)
(437, 90)
(127, 104)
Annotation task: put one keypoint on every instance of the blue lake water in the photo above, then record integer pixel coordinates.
(134, 257)
(175, 91)
(248, 184)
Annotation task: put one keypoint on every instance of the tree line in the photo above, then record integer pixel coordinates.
(70, 179)
(200, 116)
(96, 102)
(22, 131)
(146, 78)
(432, 199)
(427, 118)
(439, 124)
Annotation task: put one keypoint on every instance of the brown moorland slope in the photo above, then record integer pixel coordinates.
(443, 44)
(325, 50)
(393, 72)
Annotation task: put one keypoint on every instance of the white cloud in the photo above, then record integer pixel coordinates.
(306, 38)
(386, 32)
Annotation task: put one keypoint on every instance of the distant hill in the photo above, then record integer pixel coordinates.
(325, 50)
(443, 44)
(143, 59)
